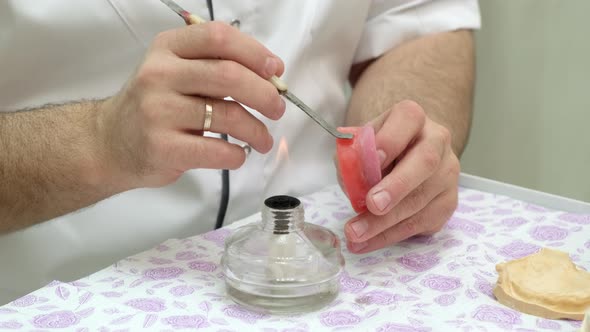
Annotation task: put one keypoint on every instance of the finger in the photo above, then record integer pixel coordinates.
(217, 40)
(231, 118)
(395, 130)
(228, 117)
(419, 163)
(206, 152)
(221, 78)
(366, 226)
(428, 221)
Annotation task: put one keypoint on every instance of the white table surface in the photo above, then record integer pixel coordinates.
(437, 283)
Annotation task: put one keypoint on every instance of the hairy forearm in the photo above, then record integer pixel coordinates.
(49, 164)
(437, 71)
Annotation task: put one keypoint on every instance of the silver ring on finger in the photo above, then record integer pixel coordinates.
(247, 149)
(208, 116)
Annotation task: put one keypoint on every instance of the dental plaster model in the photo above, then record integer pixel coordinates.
(546, 284)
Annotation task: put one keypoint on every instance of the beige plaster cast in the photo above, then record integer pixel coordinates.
(546, 284)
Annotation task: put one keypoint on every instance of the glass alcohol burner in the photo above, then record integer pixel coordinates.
(282, 264)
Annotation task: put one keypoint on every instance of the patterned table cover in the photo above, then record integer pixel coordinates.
(438, 283)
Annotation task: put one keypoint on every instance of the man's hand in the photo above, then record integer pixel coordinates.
(153, 129)
(420, 141)
(58, 159)
(418, 193)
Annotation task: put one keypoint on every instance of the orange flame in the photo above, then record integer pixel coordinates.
(283, 152)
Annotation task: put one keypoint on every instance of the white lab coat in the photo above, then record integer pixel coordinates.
(56, 51)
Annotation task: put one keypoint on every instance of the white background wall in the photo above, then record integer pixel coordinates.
(532, 107)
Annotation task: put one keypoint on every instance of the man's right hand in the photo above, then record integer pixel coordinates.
(59, 158)
(152, 130)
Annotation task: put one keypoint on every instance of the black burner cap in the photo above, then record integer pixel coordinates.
(282, 202)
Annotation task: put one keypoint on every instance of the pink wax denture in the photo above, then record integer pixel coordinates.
(359, 164)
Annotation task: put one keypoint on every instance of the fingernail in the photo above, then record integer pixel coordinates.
(281, 107)
(356, 247)
(278, 61)
(381, 199)
(359, 227)
(382, 157)
(271, 66)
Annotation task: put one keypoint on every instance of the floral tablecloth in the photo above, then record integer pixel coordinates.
(438, 283)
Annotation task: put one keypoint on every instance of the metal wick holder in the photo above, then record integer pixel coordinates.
(285, 212)
(281, 263)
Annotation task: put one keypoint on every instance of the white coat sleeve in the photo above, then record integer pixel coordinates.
(391, 22)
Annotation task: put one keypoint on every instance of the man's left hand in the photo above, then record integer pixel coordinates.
(419, 190)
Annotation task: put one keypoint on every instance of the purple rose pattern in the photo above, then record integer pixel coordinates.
(518, 249)
(162, 248)
(11, 325)
(514, 222)
(503, 317)
(160, 261)
(163, 273)
(25, 301)
(419, 262)
(187, 322)
(464, 208)
(393, 327)
(218, 237)
(371, 260)
(475, 197)
(57, 319)
(445, 299)
(485, 287)
(580, 219)
(147, 305)
(339, 318)
(406, 278)
(378, 297)
(547, 324)
(202, 266)
(243, 314)
(187, 256)
(466, 226)
(548, 233)
(351, 285)
(452, 243)
(182, 290)
(534, 208)
(575, 323)
(441, 283)
(179, 284)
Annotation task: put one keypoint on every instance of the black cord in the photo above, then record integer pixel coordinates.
(210, 7)
(223, 203)
(224, 194)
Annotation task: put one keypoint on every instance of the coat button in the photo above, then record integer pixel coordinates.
(235, 23)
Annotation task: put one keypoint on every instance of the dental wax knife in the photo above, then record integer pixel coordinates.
(277, 82)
